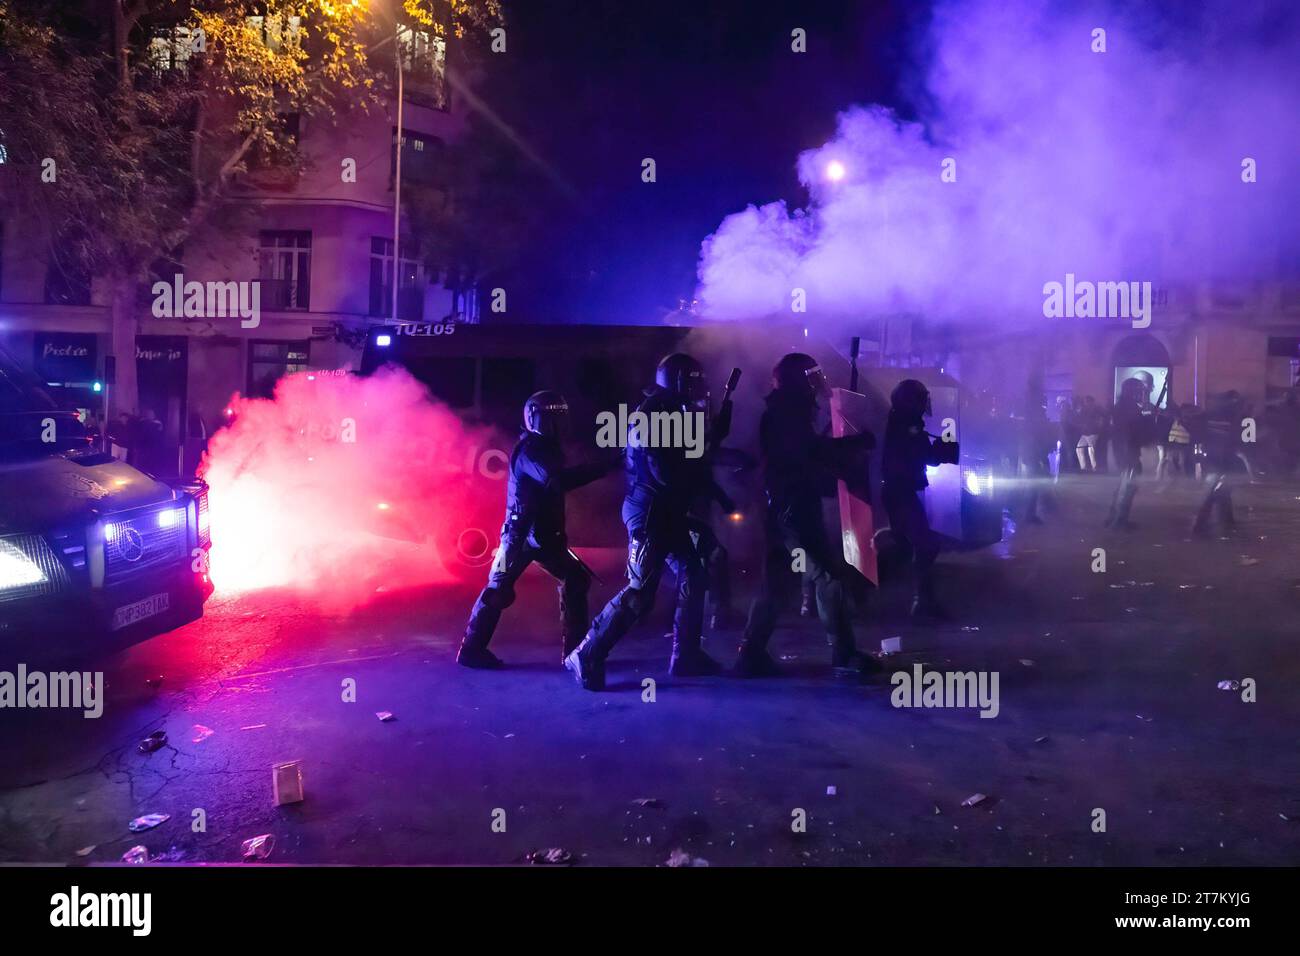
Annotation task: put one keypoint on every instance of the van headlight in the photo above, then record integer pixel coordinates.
(973, 483)
(17, 570)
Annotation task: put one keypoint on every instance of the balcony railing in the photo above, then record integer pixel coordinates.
(284, 295)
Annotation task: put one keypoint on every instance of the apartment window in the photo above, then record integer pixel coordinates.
(410, 290)
(284, 269)
(170, 47)
(421, 158)
(276, 31)
(268, 362)
(424, 64)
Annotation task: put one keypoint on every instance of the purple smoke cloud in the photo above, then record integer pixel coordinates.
(1118, 165)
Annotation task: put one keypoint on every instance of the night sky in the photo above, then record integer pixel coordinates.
(711, 91)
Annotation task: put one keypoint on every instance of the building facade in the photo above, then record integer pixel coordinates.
(317, 242)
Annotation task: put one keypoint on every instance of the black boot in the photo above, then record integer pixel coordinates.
(587, 663)
(755, 661)
(571, 642)
(478, 657)
(848, 661)
(689, 660)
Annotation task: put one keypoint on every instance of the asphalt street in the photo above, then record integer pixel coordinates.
(1108, 699)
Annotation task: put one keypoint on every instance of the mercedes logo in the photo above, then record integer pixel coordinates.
(130, 545)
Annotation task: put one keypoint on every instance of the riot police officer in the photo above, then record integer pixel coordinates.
(663, 483)
(1216, 432)
(534, 531)
(909, 450)
(800, 466)
(1132, 426)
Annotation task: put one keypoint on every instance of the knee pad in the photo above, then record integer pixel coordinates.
(637, 602)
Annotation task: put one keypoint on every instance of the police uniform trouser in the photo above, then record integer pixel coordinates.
(515, 553)
(916, 540)
(791, 526)
(1125, 492)
(655, 539)
(717, 563)
(1218, 497)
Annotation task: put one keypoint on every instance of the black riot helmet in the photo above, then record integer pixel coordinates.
(544, 412)
(683, 375)
(800, 373)
(910, 398)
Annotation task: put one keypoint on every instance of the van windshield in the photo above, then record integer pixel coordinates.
(31, 423)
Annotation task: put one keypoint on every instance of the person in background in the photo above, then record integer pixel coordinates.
(1216, 434)
(1175, 449)
(908, 451)
(1090, 425)
(1132, 424)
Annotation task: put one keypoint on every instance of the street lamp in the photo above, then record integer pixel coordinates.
(835, 170)
(397, 173)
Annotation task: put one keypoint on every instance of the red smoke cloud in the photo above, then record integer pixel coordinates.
(341, 485)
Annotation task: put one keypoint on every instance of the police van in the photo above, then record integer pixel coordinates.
(93, 552)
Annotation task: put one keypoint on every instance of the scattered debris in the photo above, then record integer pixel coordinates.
(137, 854)
(385, 715)
(891, 645)
(1247, 562)
(286, 782)
(680, 857)
(1229, 685)
(1027, 662)
(147, 822)
(86, 850)
(153, 742)
(258, 848)
(937, 811)
(654, 802)
(1042, 740)
(253, 727)
(974, 800)
(555, 856)
(201, 733)
(971, 627)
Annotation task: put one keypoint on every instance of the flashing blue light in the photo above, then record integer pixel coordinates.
(98, 387)
(383, 341)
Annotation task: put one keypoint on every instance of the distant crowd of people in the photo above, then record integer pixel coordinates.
(1208, 444)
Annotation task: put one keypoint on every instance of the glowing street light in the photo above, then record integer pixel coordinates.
(835, 170)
